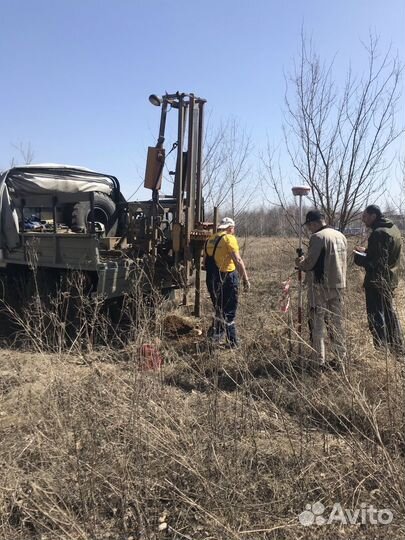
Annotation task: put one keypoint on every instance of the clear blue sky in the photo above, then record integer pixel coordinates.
(76, 74)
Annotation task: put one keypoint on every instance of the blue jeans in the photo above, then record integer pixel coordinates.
(223, 288)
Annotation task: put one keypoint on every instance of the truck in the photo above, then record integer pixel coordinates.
(59, 220)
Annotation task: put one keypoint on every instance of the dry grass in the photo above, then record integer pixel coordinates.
(217, 445)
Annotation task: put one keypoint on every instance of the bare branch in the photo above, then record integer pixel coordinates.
(337, 141)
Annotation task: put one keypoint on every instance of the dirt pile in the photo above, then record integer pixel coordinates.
(176, 326)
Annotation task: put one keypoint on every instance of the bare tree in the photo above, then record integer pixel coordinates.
(227, 168)
(238, 148)
(213, 163)
(397, 199)
(271, 176)
(337, 140)
(25, 152)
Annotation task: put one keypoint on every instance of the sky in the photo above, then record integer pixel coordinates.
(76, 74)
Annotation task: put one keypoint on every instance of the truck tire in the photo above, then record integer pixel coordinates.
(104, 212)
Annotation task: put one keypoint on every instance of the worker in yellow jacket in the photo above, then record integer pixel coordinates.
(224, 265)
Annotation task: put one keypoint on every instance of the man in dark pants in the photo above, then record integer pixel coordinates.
(223, 263)
(381, 261)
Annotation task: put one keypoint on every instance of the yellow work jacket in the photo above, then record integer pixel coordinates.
(223, 254)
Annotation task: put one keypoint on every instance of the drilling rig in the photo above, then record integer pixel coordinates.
(59, 219)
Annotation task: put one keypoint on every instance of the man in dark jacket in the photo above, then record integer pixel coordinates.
(381, 261)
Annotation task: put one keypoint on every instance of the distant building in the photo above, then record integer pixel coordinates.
(355, 231)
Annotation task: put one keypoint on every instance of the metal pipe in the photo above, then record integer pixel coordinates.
(155, 191)
(162, 127)
(199, 180)
(299, 253)
(178, 179)
(197, 298)
(300, 191)
(190, 197)
(190, 174)
(199, 207)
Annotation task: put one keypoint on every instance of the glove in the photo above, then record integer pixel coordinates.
(246, 285)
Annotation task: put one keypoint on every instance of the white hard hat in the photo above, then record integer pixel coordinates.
(225, 223)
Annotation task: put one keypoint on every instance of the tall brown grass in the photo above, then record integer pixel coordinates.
(218, 444)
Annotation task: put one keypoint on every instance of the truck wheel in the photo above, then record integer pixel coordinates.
(104, 212)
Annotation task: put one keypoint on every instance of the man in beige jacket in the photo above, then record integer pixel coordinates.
(326, 264)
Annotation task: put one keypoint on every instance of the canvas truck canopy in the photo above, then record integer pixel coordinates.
(40, 185)
(9, 237)
(49, 178)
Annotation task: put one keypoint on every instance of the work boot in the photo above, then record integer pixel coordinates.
(231, 334)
